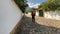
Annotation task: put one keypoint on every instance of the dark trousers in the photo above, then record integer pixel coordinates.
(33, 18)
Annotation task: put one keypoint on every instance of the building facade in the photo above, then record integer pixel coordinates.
(52, 14)
(10, 15)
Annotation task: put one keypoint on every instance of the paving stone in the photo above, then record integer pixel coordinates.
(29, 27)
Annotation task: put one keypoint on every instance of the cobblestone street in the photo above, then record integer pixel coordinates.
(29, 27)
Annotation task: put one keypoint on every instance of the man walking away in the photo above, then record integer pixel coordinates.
(33, 15)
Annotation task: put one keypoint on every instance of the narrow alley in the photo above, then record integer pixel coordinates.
(29, 27)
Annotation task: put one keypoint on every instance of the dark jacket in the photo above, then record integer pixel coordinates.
(33, 13)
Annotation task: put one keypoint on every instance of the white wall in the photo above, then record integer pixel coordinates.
(10, 15)
(52, 15)
(37, 13)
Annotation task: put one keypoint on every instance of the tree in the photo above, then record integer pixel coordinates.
(50, 5)
(22, 4)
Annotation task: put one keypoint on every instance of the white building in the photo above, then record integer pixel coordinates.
(10, 15)
(52, 15)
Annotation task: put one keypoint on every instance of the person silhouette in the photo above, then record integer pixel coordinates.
(33, 13)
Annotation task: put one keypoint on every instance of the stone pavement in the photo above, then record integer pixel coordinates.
(46, 21)
(29, 27)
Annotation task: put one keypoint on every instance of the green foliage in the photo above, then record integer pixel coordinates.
(58, 8)
(22, 4)
(50, 5)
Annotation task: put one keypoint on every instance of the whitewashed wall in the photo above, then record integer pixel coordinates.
(37, 13)
(52, 15)
(10, 15)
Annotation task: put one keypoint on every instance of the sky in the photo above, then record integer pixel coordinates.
(35, 3)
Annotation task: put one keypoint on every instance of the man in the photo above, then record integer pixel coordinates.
(33, 15)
